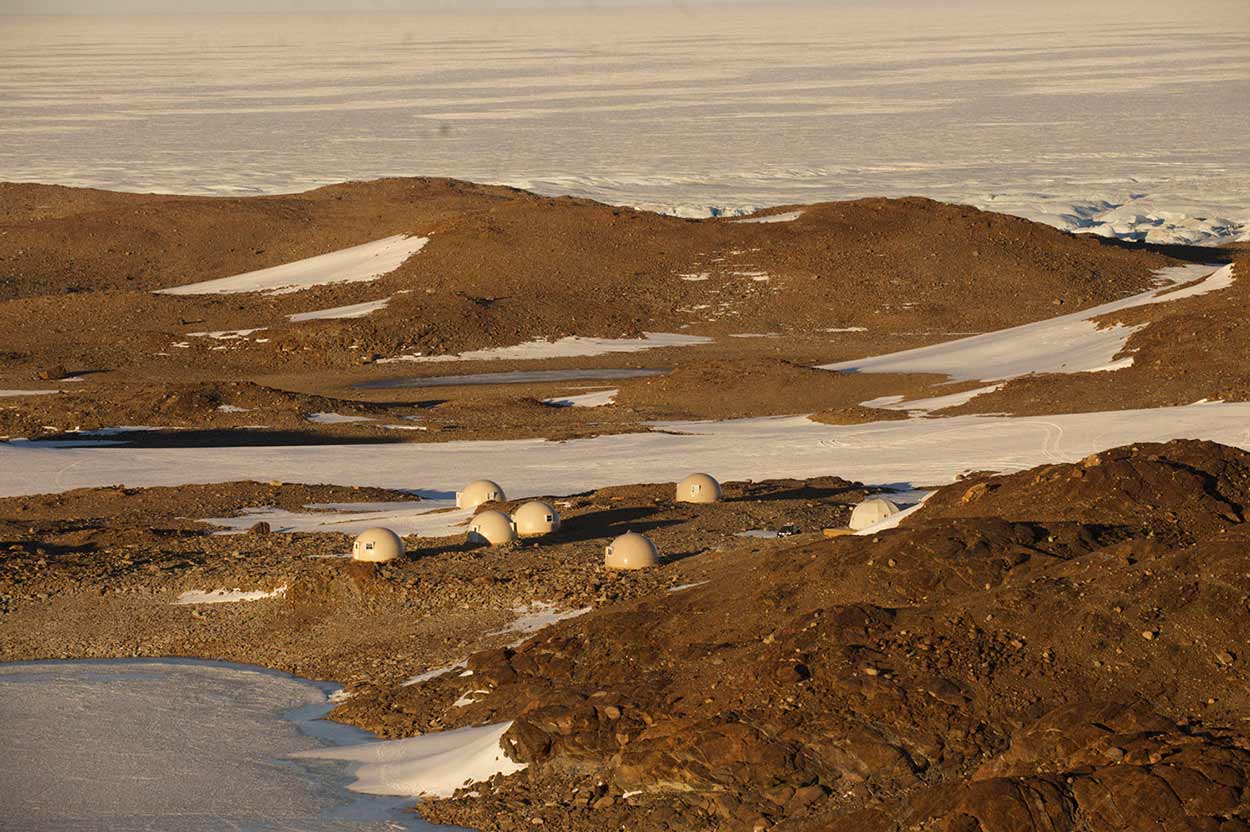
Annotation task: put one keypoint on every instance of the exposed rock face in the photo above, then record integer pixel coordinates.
(980, 668)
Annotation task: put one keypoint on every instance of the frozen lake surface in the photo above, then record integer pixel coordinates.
(1125, 117)
(919, 451)
(175, 746)
(513, 377)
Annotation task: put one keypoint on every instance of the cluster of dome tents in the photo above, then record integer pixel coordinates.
(536, 518)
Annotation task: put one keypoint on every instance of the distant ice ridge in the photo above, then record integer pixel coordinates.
(1133, 217)
(1137, 217)
(1139, 104)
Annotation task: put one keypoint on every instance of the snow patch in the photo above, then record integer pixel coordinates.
(599, 398)
(355, 310)
(12, 393)
(433, 673)
(225, 334)
(573, 346)
(536, 616)
(227, 596)
(357, 264)
(326, 418)
(434, 765)
(789, 216)
(424, 518)
(1072, 343)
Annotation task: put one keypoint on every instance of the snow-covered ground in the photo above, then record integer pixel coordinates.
(195, 597)
(919, 451)
(598, 398)
(1071, 343)
(788, 216)
(155, 745)
(427, 518)
(572, 346)
(328, 418)
(432, 764)
(354, 310)
(1123, 117)
(358, 264)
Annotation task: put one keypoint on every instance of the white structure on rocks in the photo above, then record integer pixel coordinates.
(377, 546)
(536, 518)
(870, 512)
(493, 528)
(631, 551)
(478, 492)
(698, 488)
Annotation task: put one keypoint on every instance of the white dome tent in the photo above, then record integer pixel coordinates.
(872, 511)
(493, 528)
(631, 551)
(478, 492)
(377, 546)
(536, 518)
(698, 488)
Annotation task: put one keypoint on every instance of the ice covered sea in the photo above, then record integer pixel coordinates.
(1123, 117)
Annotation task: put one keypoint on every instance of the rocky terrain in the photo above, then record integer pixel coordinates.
(1060, 648)
(1056, 649)
(501, 267)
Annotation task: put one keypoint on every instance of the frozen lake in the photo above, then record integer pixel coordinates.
(175, 746)
(512, 377)
(1125, 117)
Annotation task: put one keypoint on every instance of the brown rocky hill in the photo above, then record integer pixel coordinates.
(504, 266)
(1059, 649)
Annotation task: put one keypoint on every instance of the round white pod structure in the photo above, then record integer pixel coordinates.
(493, 528)
(536, 518)
(631, 551)
(870, 512)
(377, 546)
(478, 492)
(698, 488)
